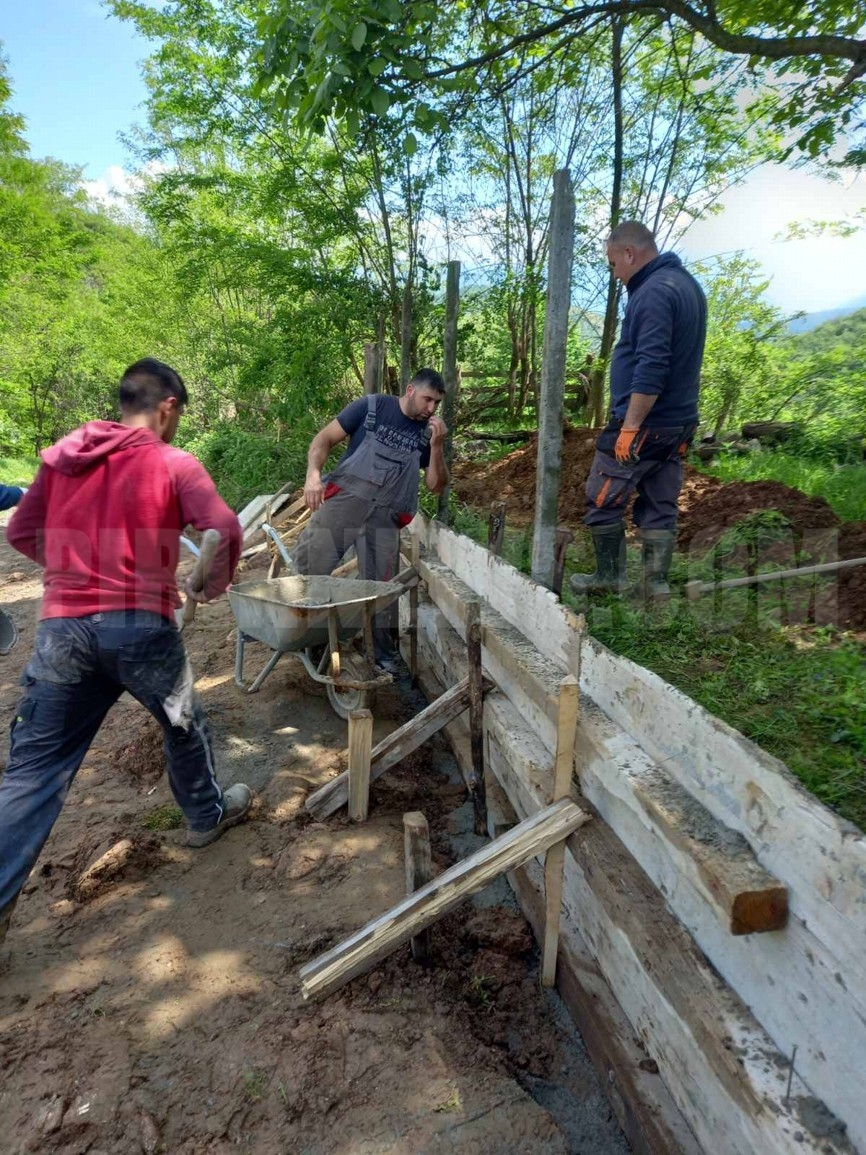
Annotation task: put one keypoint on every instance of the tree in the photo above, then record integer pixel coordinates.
(336, 58)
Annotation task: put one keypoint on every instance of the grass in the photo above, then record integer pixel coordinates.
(794, 689)
(18, 470)
(843, 486)
(167, 817)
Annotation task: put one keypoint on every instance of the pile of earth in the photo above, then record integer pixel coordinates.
(708, 509)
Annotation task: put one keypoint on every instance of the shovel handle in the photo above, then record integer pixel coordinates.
(210, 543)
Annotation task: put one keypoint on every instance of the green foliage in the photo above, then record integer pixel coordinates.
(18, 470)
(165, 817)
(244, 464)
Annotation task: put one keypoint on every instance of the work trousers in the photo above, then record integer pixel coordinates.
(79, 668)
(344, 521)
(656, 477)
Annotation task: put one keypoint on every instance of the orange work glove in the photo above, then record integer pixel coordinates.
(625, 450)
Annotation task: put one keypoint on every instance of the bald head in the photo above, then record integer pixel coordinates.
(630, 246)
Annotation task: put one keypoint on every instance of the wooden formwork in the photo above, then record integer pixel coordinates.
(717, 909)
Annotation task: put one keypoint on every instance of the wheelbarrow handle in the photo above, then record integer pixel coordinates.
(210, 544)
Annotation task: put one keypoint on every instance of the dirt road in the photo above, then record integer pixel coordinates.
(164, 1013)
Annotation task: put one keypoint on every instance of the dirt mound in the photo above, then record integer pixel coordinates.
(851, 590)
(143, 759)
(709, 511)
(512, 478)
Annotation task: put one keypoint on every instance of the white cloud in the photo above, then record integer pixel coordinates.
(114, 186)
(811, 274)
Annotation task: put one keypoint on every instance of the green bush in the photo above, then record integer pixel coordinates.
(244, 464)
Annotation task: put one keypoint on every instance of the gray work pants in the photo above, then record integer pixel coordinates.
(344, 521)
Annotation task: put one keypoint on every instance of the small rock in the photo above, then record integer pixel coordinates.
(17, 575)
(149, 1134)
(52, 1115)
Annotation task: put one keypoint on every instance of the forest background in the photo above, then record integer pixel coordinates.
(275, 232)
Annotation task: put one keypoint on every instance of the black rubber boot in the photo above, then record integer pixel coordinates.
(609, 577)
(658, 549)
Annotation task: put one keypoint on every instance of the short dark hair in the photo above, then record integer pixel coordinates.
(632, 233)
(430, 379)
(147, 383)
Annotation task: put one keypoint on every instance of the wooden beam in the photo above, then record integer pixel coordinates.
(563, 768)
(360, 746)
(395, 747)
(564, 538)
(415, 562)
(476, 708)
(419, 871)
(379, 938)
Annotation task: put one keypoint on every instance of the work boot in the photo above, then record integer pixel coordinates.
(609, 576)
(237, 801)
(658, 549)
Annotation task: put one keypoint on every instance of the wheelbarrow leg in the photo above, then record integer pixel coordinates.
(275, 657)
(239, 660)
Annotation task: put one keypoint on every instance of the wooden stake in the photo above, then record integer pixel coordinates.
(476, 714)
(395, 747)
(360, 747)
(566, 735)
(415, 562)
(496, 527)
(564, 538)
(379, 938)
(419, 869)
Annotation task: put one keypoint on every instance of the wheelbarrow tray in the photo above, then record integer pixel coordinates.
(291, 613)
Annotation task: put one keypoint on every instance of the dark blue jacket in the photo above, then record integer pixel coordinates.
(10, 495)
(661, 345)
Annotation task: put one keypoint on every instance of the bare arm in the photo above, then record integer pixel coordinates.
(317, 455)
(639, 405)
(436, 475)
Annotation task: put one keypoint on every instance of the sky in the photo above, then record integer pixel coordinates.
(76, 79)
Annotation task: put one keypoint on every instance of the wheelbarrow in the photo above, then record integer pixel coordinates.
(315, 618)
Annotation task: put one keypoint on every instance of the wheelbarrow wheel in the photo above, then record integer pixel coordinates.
(343, 702)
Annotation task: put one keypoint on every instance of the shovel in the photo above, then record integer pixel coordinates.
(210, 543)
(696, 589)
(8, 634)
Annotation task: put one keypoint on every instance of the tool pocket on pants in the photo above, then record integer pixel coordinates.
(609, 484)
(150, 667)
(61, 653)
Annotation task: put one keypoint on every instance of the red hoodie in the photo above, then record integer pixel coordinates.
(104, 518)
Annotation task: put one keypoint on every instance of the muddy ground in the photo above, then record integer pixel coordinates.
(164, 1014)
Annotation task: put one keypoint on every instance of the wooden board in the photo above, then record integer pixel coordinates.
(379, 938)
(685, 1015)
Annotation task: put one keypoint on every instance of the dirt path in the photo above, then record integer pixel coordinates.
(164, 1014)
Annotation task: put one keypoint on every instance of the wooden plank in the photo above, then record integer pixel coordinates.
(394, 748)
(496, 527)
(419, 871)
(360, 746)
(379, 938)
(564, 538)
(415, 562)
(476, 724)
(563, 768)
(650, 1120)
(689, 1029)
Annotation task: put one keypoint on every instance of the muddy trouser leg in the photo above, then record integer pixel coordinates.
(331, 530)
(378, 560)
(145, 654)
(65, 701)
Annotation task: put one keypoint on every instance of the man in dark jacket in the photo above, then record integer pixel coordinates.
(104, 518)
(654, 383)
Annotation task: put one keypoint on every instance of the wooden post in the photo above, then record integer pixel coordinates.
(371, 366)
(557, 309)
(419, 871)
(496, 527)
(566, 734)
(451, 375)
(360, 749)
(406, 337)
(415, 561)
(476, 714)
(564, 538)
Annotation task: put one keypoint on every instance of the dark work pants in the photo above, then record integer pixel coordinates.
(79, 668)
(657, 477)
(343, 521)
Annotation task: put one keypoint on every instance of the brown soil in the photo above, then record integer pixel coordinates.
(164, 1013)
(708, 508)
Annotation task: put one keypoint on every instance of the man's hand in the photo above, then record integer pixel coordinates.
(624, 450)
(196, 595)
(314, 491)
(438, 430)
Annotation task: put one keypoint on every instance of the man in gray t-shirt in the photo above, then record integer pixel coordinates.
(373, 491)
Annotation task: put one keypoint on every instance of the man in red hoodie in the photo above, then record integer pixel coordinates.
(104, 518)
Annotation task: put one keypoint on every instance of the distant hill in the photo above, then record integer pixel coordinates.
(811, 321)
